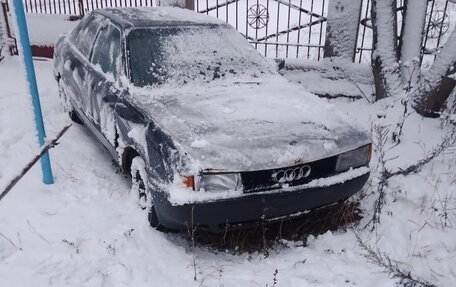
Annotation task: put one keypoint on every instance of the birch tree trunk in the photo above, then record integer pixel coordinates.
(414, 21)
(435, 86)
(385, 53)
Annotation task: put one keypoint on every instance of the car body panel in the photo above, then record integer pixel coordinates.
(237, 212)
(223, 126)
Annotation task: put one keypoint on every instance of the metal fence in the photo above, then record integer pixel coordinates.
(7, 41)
(437, 28)
(279, 28)
(297, 28)
(78, 7)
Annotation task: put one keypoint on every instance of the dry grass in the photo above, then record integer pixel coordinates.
(265, 236)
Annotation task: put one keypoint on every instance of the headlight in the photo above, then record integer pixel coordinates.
(353, 159)
(215, 182)
(218, 182)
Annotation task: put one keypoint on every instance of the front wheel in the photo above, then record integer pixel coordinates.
(141, 192)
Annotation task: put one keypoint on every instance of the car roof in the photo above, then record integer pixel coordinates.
(133, 17)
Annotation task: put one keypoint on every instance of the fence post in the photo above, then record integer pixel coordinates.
(190, 4)
(176, 3)
(81, 7)
(342, 28)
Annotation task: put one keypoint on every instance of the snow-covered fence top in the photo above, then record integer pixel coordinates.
(81, 7)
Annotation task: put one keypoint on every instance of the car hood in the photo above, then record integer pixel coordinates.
(242, 126)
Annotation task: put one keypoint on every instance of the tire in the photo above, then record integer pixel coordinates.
(141, 193)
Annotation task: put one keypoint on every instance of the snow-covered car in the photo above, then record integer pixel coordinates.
(212, 135)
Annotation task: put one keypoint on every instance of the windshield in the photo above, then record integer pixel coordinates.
(179, 55)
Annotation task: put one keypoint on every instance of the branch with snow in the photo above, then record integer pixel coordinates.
(435, 86)
(413, 26)
(382, 136)
(44, 150)
(385, 53)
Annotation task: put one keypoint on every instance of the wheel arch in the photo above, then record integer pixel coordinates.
(128, 155)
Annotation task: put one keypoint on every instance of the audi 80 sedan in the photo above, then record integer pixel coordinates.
(211, 134)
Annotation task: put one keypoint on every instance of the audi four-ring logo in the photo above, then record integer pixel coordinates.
(291, 174)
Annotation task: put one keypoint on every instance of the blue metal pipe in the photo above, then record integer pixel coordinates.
(31, 78)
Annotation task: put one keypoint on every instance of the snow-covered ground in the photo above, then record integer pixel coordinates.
(86, 230)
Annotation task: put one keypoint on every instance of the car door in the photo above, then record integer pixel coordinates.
(106, 64)
(76, 60)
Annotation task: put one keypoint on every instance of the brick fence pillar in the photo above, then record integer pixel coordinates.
(189, 4)
(342, 28)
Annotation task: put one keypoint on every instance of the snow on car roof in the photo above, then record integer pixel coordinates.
(156, 16)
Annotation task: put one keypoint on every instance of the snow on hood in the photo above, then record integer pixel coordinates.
(240, 126)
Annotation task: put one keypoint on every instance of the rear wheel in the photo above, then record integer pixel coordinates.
(141, 192)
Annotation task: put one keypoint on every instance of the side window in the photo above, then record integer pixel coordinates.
(84, 36)
(107, 49)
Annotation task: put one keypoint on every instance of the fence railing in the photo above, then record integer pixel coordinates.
(278, 28)
(78, 7)
(437, 28)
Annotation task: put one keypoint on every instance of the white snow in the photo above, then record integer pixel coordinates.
(199, 143)
(311, 129)
(55, 25)
(78, 232)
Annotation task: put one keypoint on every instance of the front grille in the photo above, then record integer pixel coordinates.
(254, 181)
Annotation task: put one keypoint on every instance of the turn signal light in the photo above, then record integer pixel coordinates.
(189, 181)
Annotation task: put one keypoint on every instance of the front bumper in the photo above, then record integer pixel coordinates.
(216, 216)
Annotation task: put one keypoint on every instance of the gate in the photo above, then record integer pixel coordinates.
(277, 28)
(440, 22)
(281, 28)
(297, 28)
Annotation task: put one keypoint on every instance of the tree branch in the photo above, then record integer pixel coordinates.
(49, 145)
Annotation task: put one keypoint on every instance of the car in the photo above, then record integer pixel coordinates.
(211, 134)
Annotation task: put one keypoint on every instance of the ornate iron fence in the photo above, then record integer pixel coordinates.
(437, 28)
(297, 28)
(279, 28)
(78, 7)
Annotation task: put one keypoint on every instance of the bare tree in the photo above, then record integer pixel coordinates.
(435, 86)
(395, 65)
(385, 62)
(411, 41)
